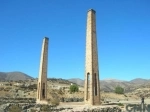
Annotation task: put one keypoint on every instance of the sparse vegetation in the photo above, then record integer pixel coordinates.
(55, 101)
(60, 88)
(120, 104)
(45, 108)
(60, 91)
(74, 88)
(119, 90)
(33, 110)
(14, 108)
(125, 95)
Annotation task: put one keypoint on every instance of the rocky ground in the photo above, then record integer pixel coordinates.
(72, 101)
(71, 107)
(74, 107)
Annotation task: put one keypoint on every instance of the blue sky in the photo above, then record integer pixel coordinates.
(123, 34)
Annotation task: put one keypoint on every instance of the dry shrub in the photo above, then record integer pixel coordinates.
(14, 108)
(55, 101)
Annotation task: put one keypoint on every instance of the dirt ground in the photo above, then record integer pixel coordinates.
(77, 106)
(80, 106)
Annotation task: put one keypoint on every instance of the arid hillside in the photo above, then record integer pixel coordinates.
(19, 85)
(59, 88)
(7, 76)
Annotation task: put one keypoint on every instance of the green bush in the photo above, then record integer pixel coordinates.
(74, 88)
(120, 104)
(119, 90)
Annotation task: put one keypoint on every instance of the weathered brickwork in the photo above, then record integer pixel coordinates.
(92, 86)
(42, 80)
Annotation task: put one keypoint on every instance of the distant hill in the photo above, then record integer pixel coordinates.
(14, 76)
(3, 76)
(140, 81)
(77, 81)
(114, 80)
(110, 84)
(105, 85)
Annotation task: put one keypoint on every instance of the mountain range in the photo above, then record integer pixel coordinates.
(109, 85)
(105, 85)
(14, 76)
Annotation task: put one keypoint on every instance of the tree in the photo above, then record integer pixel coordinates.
(74, 88)
(119, 90)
